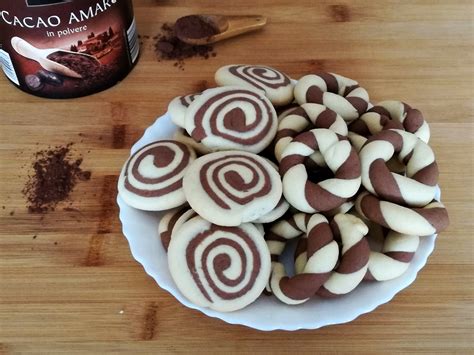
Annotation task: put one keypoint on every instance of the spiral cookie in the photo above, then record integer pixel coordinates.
(411, 119)
(321, 253)
(300, 118)
(222, 268)
(340, 157)
(178, 106)
(171, 221)
(340, 94)
(232, 187)
(182, 136)
(276, 85)
(418, 187)
(354, 260)
(232, 118)
(152, 177)
(393, 260)
(428, 220)
(279, 210)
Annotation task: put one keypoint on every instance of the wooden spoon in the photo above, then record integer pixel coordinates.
(29, 51)
(227, 27)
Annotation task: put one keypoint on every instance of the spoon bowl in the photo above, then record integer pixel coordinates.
(226, 27)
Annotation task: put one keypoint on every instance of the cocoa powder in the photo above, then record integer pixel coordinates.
(169, 47)
(55, 173)
(194, 26)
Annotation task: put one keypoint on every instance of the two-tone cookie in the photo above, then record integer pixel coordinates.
(232, 118)
(152, 178)
(232, 187)
(222, 268)
(178, 106)
(276, 85)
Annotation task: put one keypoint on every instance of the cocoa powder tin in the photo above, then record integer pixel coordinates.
(67, 48)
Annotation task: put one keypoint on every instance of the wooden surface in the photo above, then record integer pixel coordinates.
(76, 287)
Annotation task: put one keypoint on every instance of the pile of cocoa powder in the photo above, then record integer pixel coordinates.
(55, 174)
(169, 47)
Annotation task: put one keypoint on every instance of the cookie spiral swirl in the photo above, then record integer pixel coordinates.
(276, 85)
(232, 118)
(228, 188)
(223, 268)
(151, 179)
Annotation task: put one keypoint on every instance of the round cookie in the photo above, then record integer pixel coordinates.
(178, 106)
(232, 117)
(171, 221)
(321, 250)
(279, 210)
(221, 268)
(431, 219)
(301, 118)
(152, 177)
(340, 157)
(232, 187)
(418, 186)
(276, 85)
(340, 94)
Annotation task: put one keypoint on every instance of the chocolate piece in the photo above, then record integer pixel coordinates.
(50, 78)
(34, 83)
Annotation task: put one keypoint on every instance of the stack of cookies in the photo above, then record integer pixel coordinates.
(260, 161)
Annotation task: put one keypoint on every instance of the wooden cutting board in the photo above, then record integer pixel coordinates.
(76, 287)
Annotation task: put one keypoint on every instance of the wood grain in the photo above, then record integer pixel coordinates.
(68, 282)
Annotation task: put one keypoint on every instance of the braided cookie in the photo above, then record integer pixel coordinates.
(171, 221)
(340, 94)
(182, 136)
(411, 119)
(418, 187)
(178, 106)
(321, 251)
(431, 219)
(340, 157)
(232, 187)
(354, 256)
(395, 256)
(276, 85)
(232, 118)
(152, 177)
(300, 118)
(222, 268)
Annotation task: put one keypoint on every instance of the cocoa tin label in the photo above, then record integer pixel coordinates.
(67, 48)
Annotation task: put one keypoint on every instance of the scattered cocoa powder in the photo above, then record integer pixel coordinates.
(55, 173)
(169, 47)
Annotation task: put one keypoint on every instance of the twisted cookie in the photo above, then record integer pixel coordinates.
(222, 268)
(321, 254)
(300, 118)
(151, 179)
(418, 187)
(411, 119)
(340, 157)
(354, 260)
(395, 256)
(428, 220)
(276, 85)
(340, 94)
(232, 118)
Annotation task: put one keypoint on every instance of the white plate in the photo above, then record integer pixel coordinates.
(141, 230)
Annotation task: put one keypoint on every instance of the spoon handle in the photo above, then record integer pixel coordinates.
(24, 48)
